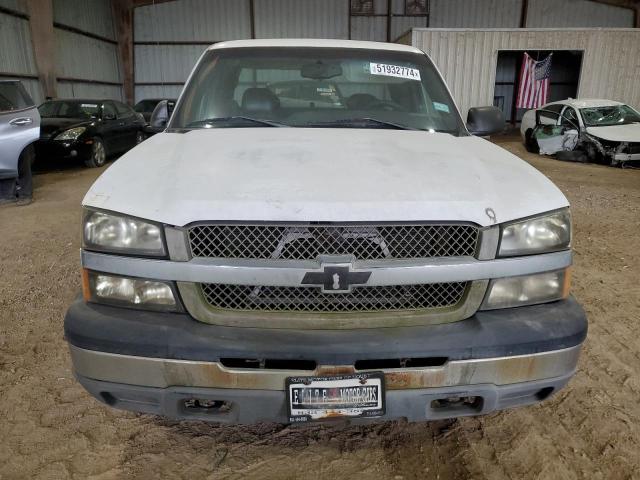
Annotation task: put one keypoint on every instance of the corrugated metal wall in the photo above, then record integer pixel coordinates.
(467, 59)
(16, 51)
(577, 13)
(475, 14)
(93, 16)
(302, 18)
(87, 65)
(169, 38)
(17, 5)
(193, 20)
(79, 56)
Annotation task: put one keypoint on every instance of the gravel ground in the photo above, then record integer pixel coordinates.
(50, 428)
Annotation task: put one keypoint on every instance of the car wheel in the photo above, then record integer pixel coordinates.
(98, 154)
(140, 137)
(530, 143)
(572, 156)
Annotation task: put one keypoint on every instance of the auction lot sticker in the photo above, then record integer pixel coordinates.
(394, 71)
(316, 398)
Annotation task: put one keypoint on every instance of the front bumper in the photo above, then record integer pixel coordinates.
(46, 149)
(154, 362)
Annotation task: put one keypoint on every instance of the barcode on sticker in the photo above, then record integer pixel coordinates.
(394, 71)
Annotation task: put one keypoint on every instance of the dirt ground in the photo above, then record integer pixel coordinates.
(50, 428)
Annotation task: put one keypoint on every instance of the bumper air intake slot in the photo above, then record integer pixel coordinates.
(268, 363)
(390, 363)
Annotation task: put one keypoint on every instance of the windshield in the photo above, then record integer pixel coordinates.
(146, 105)
(316, 87)
(610, 115)
(69, 109)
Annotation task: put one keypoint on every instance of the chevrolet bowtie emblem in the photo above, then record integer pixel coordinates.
(336, 278)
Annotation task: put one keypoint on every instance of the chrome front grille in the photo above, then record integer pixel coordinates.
(313, 300)
(308, 241)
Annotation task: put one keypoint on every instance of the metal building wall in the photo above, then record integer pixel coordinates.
(17, 5)
(16, 51)
(169, 38)
(302, 18)
(87, 58)
(94, 16)
(577, 13)
(193, 20)
(371, 27)
(476, 14)
(467, 59)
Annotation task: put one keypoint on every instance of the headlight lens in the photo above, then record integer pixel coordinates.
(548, 233)
(527, 290)
(128, 292)
(71, 134)
(116, 233)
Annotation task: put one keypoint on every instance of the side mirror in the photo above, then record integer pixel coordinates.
(109, 116)
(484, 121)
(161, 114)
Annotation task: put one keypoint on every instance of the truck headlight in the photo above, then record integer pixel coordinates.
(115, 233)
(71, 134)
(543, 234)
(527, 289)
(128, 292)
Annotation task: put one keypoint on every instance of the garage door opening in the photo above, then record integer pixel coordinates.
(565, 76)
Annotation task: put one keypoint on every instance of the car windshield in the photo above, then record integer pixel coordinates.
(609, 116)
(316, 87)
(69, 109)
(146, 105)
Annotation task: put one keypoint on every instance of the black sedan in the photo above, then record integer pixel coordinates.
(90, 130)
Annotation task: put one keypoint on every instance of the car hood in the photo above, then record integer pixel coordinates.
(50, 126)
(286, 174)
(617, 133)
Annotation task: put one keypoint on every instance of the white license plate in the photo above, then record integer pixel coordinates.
(316, 398)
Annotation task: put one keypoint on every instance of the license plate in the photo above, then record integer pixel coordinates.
(316, 398)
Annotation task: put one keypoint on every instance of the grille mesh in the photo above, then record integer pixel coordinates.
(312, 299)
(307, 242)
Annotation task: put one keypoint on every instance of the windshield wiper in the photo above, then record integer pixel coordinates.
(360, 122)
(235, 120)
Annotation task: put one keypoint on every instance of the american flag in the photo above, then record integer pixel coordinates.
(534, 82)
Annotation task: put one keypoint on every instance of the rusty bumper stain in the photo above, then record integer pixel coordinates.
(162, 373)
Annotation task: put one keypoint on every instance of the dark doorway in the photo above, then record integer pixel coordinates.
(565, 75)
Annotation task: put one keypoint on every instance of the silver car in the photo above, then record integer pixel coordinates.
(19, 128)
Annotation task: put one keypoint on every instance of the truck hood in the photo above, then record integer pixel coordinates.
(318, 174)
(617, 133)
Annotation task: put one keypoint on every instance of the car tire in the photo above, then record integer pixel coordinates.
(530, 143)
(98, 154)
(140, 137)
(577, 156)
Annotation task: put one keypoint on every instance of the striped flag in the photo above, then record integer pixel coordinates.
(534, 82)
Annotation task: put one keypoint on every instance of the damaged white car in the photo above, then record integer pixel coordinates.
(600, 131)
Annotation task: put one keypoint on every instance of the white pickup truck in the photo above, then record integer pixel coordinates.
(316, 235)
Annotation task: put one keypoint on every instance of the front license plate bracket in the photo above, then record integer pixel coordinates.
(339, 396)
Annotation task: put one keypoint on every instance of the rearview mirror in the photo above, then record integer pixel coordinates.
(484, 121)
(320, 71)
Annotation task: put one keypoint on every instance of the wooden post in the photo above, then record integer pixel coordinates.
(123, 18)
(44, 44)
